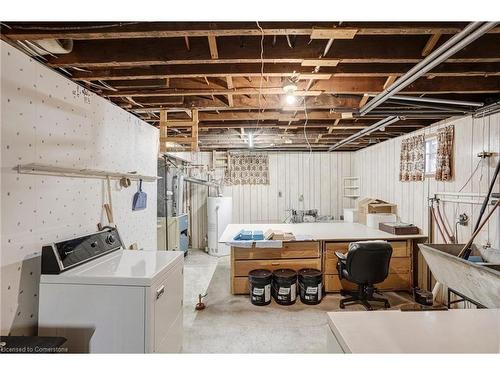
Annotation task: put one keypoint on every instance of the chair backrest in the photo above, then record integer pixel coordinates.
(368, 262)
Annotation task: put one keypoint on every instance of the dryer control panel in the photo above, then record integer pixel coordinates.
(61, 256)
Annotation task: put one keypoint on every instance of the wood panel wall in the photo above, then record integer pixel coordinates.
(378, 167)
(317, 177)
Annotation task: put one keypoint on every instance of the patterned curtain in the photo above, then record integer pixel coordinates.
(444, 158)
(412, 159)
(247, 169)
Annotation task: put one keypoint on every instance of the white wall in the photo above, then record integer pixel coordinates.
(316, 176)
(378, 167)
(48, 119)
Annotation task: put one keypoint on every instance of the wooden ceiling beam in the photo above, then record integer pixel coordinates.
(212, 43)
(363, 49)
(421, 86)
(389, 81)
(280, 70)
(336, 85)
(230, 86)
(241, 102)
(203, 29)
(431, 43)
(205, 92)
(332, 127)
(363, 100)
(333, 33)
(320, 62)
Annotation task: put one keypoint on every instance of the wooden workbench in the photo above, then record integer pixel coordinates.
(319, 253)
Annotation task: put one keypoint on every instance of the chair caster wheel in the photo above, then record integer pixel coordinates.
(369, 308)
(387, 305)
(342, 306)
(343, 293)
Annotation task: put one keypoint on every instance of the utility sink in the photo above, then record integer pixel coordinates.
(479, 281)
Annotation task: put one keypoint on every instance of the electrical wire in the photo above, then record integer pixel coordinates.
(261, 72)
(305, 125)
(472, 175)
(90, 27)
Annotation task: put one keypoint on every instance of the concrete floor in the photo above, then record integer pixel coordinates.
(231, 324)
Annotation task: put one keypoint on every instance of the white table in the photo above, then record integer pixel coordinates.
(452, 331)
(338, 231)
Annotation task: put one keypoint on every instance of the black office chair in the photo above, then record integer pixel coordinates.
(365, 264)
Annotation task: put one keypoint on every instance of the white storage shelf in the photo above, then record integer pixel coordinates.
(45, 169)
(351, 187)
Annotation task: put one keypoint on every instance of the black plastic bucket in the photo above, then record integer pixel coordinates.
(285, 286)
(310, 286)
(260, 286)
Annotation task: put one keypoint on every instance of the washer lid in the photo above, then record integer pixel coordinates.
(123, 267)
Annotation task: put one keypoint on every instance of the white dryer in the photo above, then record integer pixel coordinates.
(104, 299)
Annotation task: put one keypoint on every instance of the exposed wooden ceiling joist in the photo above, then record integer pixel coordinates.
(130, 30)
(279, 70)
(216, 69)
(335, 85)
(363, 49)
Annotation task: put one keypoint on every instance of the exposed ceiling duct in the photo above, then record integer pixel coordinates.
(488, 110)
(52, 46)
(469, 34)
(378, 125)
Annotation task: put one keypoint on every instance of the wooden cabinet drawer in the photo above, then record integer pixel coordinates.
(332, 247)
(289, 250)
(243, 267)
(396, 265)
(240, 285)
(399, 249)
(393, 282)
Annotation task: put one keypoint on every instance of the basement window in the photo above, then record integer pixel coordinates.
(430, 156)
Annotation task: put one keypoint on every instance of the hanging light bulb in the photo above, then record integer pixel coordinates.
(290, 99)
(289, 88)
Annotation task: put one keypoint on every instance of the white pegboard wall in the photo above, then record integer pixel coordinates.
(46, 118)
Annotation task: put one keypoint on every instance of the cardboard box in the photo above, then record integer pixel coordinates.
(374, 206)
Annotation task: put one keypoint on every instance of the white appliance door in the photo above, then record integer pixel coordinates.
(166, 298)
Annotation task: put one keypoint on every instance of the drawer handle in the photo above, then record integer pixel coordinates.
(275, 264)
(160, 291)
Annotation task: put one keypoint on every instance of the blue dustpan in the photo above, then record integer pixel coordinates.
(140, 199)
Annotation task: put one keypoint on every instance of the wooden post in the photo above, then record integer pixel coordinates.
(194, 130)
(163, 130)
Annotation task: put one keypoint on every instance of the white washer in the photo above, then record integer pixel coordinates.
(124, 301)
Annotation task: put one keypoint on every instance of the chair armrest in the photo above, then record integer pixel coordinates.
(341, 264)
(341, 256)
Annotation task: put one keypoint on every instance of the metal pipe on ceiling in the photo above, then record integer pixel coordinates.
(414, 105)
(434, 100)
(380, 124)
(487, 110)
(471, 32)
